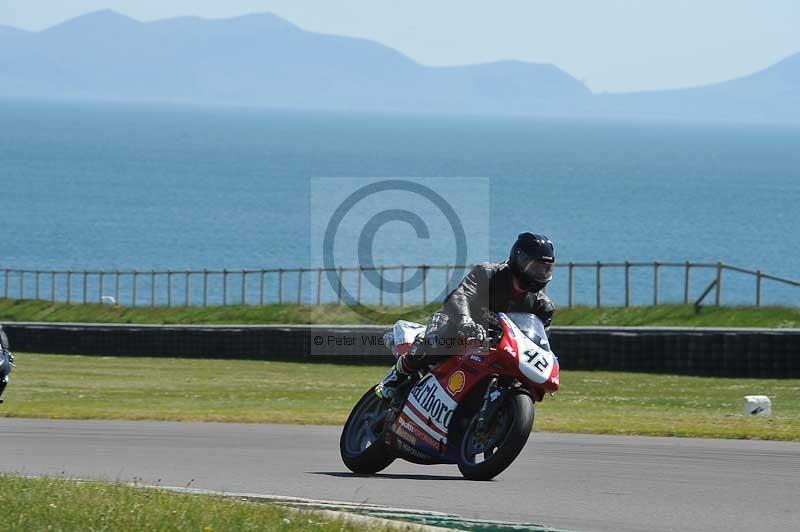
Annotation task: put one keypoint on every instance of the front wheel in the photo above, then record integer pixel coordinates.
(361, 444)
(485, 454)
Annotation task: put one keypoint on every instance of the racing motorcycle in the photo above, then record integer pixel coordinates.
(6, 362)
(474, 409)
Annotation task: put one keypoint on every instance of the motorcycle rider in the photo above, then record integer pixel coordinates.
(514, 285)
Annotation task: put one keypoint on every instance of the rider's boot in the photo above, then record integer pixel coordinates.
(407, 364)
(396, 377)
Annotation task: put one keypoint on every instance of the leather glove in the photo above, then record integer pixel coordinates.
(472, 330)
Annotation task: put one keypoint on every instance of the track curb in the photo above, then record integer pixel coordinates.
(397, 518)
(332, 509)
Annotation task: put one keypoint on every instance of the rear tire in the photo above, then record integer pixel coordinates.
(512, 426)
(361, 445)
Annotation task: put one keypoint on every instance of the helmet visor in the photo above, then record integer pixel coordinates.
(539, 271)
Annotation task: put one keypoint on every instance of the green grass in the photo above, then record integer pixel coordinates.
(681, 316)
(55, 504)
(11, 310)
(80, 387)
(673, 315)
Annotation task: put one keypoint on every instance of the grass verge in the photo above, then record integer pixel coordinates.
(670, 315)
(56, 504)
(80, 387)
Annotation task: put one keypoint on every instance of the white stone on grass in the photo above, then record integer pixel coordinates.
(757, 405)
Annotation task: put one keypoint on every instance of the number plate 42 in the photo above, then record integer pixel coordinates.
(535, 362)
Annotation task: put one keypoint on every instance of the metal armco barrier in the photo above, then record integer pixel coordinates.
(771, 353)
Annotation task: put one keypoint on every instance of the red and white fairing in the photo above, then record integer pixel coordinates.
(535, 359)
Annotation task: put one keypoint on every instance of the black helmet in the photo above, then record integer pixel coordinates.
(532, 260)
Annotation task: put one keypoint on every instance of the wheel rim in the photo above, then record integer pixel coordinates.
(366, 425)
(479, 446)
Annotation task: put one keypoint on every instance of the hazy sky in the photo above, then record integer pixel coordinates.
(612, 45)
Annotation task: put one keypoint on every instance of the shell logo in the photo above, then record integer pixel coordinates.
(456, 382)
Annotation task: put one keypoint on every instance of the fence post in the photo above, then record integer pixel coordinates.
(358, 290)
(244, 287)
(69, 287)
(570, 287)
(152, 288)
(627, 283)
(37, 284)
(5, 284)
(686, 283)
(135, 279)
(21, 284)
(597, 284)
(169, 287)
(381, 286)
(402, 284)
(186, 288)
(341, 285)
(300, 287)
(53, 286)
(85, 275)
(717, 293)
(261, 288)
(447, 279)
(224, 287)
(319, 286)
(655, 283)
(758, 288)
(424, 285)
(280, 286)
(100, 288)
(205, 287)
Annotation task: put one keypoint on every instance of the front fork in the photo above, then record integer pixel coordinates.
(492, 399)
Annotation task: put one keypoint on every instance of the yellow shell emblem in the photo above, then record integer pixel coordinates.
(456, 382)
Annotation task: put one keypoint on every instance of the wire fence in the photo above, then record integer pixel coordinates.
(611, 284)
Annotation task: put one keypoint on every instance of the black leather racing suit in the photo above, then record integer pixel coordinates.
(488, 285)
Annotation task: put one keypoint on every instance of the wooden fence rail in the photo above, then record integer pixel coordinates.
(345, 285)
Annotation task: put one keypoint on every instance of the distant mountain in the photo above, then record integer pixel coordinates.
(263, 60)
(770, 95)
(258, 60)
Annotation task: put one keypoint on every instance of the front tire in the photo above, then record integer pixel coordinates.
(361, 445)
(484, 455)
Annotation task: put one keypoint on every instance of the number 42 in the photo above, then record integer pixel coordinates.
(540, 363)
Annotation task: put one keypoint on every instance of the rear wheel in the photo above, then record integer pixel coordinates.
(485, 454)
(361, 444)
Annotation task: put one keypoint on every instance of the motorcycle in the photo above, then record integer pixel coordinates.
(6, 362)
(475, 409)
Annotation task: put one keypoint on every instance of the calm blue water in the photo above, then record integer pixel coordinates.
(100, 186)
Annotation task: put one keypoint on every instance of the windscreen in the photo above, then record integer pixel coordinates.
(531, 326)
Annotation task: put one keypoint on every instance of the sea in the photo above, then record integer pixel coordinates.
(103, 186)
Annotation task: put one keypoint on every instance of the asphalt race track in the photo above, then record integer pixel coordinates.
(576, 482)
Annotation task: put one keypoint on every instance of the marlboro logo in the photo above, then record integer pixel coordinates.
(431, 401)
